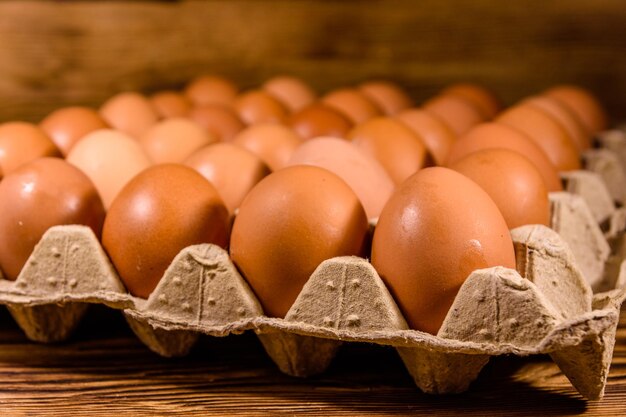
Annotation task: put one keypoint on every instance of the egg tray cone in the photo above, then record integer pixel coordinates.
(548, 307)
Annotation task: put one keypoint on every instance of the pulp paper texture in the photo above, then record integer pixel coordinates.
(546, 306)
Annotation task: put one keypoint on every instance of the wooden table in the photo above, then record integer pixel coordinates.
(105, 370)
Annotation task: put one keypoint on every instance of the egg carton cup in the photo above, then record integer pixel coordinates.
(547, 306)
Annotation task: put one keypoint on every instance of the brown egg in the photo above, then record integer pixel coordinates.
(257, 106)
(499, 136)
(584, 104)
(288, 224)
(352, 103)
(233, 170)
(211, 89)
(319, 120)
(130, 113)
(481, 97)
(271, 142)
(568, 120)
(157, 214)
(367, 178)
(294, 93)
(22, 142)
(110, 159)
(68, 125)
(173, 140)
(389, 97)
(218, 120)
(399, 150)
(436, 229)
(434, 133)
(512, 182)
(170, 104)
(40, 194)
(546, 132)
(455, 111)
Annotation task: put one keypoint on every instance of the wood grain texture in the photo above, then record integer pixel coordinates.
(105, 371)
(55, 53)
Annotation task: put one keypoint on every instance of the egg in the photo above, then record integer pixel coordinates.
(169, 104)
(455, 111)
(388, 96)
(512, 182)
(498, 136)
(436, 229)
(434, 133)
(480, 96)
(546, 132)
(293, 92)
(367, 178)
(173, 140)
(22, 142)
(38, 195)
(584, 104)
(257, 106)
(158, 213)
(68, 125)
(218, 120)
(233, 170)
(318, 119)
(211, 89)
(353, 104)
(287, 225)
(393, 145)
(568, 120)
(131, 113)
(110, 159)
(273, 143)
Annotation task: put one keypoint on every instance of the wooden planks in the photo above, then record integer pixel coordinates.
(104, 370)
(57, 53)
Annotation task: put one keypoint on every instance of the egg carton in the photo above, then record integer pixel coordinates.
(547, 306)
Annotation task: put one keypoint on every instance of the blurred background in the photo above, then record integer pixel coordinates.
(54, 53)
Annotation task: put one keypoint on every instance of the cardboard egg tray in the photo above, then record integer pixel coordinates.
(546, 306)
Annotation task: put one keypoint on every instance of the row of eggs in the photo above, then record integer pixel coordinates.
(304, 176)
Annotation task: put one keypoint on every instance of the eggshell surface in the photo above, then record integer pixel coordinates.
(393, 145)
(173, 140)
(68, 125)
(38, 195)
(22, 142)
(157, 214)
(546, 132)
(388, 96)
(169, 104)
(436, 229)
(271, 142)
(319, 119)
(211, 89)
(367, 178)
(288, 224)
(455, 111)
(131, 113)
(480, 96)
(233, 170)
(110, 159)
(353, 104)
(293, 92)
(433, 132)
(512, 182)
(218, 120)
(584, 104)
(499, 136)
(257, 106)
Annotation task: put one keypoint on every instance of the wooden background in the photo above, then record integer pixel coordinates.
(58, 52)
